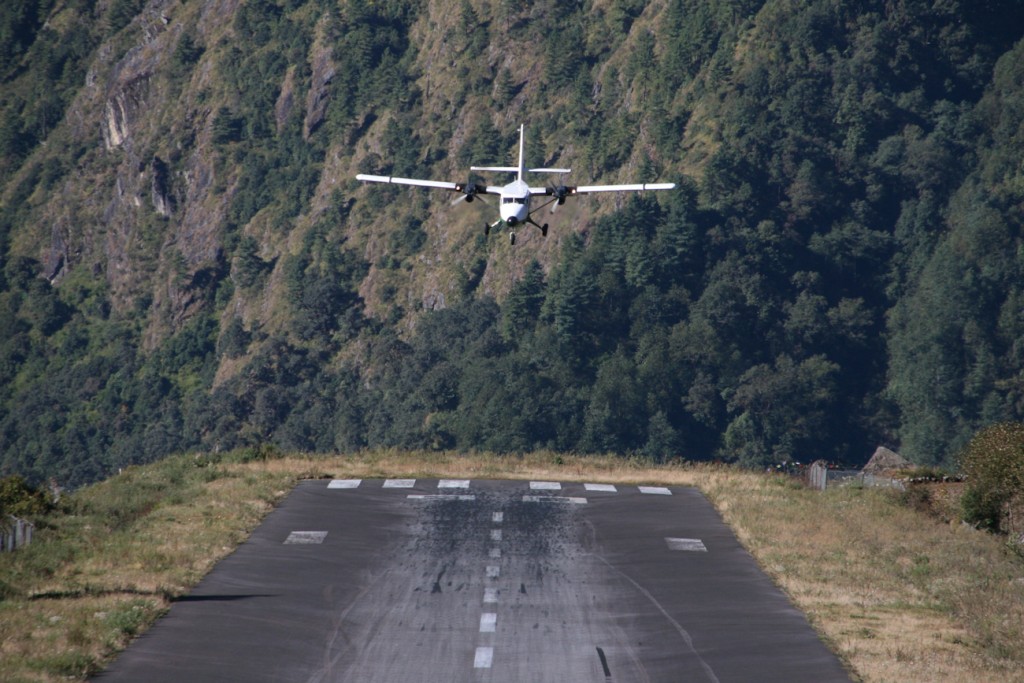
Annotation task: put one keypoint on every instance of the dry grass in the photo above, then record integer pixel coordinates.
(898, 595)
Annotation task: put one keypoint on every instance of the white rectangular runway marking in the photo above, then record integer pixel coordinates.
(498, 517)
(495, 553)
(439, 496)
(691, 544)
(344, 483)
(545, 486)
(657, 490)
(399, 483)
(495, 534)
(493, 571)
(601, 487)
(488, 622)
(305, 537)
(453, 484)
(554, 499)
(483, 658)
(490, 595)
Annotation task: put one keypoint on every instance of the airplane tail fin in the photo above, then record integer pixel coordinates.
(522, 145)
(521, 169)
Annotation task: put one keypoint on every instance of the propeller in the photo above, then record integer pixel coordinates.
(469, 192)
(559, 192)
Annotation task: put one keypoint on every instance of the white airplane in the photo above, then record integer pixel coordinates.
(516, 197)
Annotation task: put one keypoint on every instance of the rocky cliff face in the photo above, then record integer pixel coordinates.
(323, 72)
(140, 209)
(201, 125)
(151, 206)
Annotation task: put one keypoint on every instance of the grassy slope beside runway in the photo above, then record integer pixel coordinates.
(899, 596)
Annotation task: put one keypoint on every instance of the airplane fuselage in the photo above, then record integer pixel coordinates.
(515, 202)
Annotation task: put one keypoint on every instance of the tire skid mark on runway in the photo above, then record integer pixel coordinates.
(330, 661)
(604, 664)
(589, 547)
(435, 563)
(683, 633)
(436, 588)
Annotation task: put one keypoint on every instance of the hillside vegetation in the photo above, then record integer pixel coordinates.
(188, 262)
(896, 594)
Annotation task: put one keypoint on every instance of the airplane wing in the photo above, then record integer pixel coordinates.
(454, 187)
(637, 187)
(568, 191)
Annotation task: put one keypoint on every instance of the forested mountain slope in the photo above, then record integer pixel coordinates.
(188, 261)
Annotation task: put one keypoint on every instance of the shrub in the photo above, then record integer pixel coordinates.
(993, 463)
(21, 500)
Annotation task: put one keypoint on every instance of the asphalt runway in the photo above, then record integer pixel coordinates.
(508, 581)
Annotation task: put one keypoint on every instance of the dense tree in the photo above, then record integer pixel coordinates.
(839, 266)
(993, 462)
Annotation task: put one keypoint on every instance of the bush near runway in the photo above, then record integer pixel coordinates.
(897, 594)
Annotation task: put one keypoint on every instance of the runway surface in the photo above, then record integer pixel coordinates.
(405, 580)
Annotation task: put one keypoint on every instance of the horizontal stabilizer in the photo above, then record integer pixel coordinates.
(504, 169)
(513, 169)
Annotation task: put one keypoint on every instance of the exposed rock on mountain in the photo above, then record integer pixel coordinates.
(179, 222)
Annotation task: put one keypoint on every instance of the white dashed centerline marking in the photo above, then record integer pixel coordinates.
(691, 544)
(545, 486)
(483, 658)
(453, 484)
(488, 622)
(657, 490)
(610, 488)
(399, 483)
(305, 537)
(344, 483)
(439, 496)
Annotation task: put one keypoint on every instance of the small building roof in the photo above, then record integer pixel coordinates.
(885, 460)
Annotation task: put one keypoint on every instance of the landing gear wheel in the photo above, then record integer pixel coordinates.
(511, 238)
(544, 230)
(487, 229)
